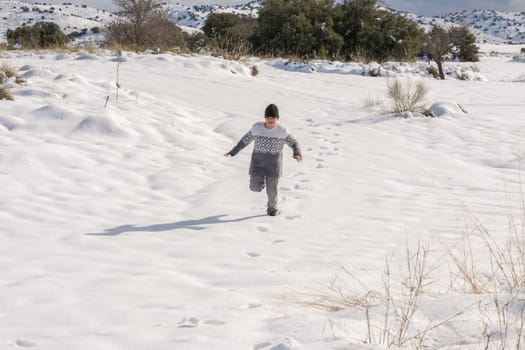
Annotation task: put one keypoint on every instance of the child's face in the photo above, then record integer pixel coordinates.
(270, 122)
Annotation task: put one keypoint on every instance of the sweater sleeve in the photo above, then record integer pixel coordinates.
(294, 145)
(245, 141)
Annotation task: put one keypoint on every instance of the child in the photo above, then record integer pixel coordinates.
(267, 156)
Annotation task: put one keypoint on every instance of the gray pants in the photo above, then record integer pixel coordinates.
(257, 184)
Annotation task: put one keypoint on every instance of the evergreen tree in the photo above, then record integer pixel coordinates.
(400, 37)
(301, 28)
(377, 34)
(229, 32)
(463, 44)
(355, 21)
(220, 23)
(320, 28)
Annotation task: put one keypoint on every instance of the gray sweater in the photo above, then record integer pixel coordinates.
(267, 155)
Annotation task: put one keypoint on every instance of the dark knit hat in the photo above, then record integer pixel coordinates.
(271, 111)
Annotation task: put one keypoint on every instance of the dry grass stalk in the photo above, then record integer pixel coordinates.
(334, 299)
(504, 279)
(400, 299)
(463, 263)
(508, 259)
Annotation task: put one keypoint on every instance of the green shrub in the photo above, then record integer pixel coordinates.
(227, 32)
(300, 28)
(384, 34)
(325, 29)
(40, 35)
(463, 44)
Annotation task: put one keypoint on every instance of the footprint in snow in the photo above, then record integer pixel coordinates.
(25, 344)
(253, 254)
(277, 241)
(191, 322)
(261, 346)
(263, 229)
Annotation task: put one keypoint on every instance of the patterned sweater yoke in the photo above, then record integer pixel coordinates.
(268, 148)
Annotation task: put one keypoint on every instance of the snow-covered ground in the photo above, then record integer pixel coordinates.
(123, 226)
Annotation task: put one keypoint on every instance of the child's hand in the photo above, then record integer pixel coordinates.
(228, 154)
(298, 157)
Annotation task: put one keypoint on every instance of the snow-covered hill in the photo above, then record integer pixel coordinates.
(71, 18)
(195, 16)
(488, 26)
(509, 26)
(491, 27)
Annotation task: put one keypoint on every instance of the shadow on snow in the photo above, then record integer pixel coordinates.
(199, 224)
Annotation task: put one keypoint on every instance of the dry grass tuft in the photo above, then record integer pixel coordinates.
(406, 96)
(4, 94)
(6, 73)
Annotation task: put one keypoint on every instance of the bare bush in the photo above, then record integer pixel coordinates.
(406, 96)
(144, 24)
